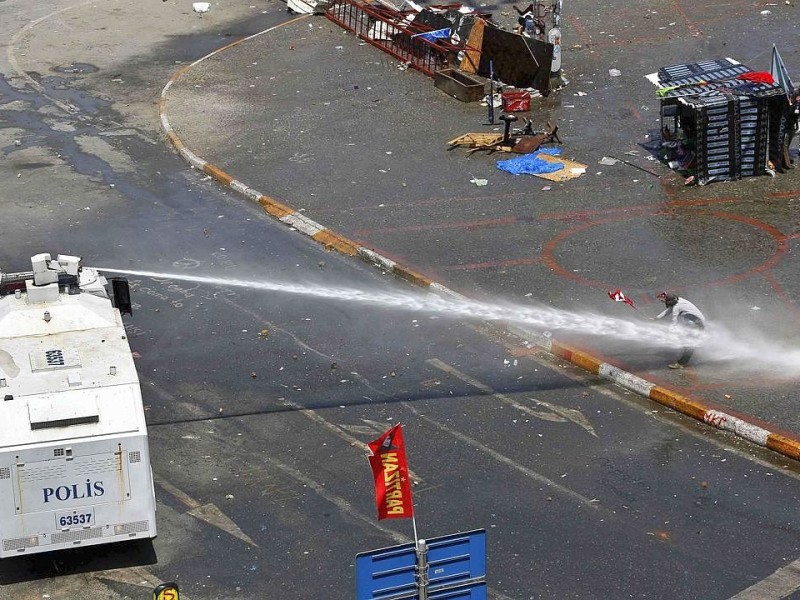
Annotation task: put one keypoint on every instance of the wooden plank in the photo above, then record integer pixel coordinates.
(474, 140)
(472, 54)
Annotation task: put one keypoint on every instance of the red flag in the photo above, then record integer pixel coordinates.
(390, 471)
(759, 77)
(618, 296)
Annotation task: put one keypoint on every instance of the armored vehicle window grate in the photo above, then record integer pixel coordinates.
(19, 543)
(5, 473)
(66, 422)
(135, 456)
(73, 536)
(54, 358)
(58, 452)
(135, 527)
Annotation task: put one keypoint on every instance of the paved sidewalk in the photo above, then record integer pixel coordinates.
(331, 137)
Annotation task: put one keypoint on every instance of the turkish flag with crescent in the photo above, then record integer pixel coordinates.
(390, 471)
(618, 296)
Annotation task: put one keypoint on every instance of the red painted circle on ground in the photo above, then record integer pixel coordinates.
(781, 247)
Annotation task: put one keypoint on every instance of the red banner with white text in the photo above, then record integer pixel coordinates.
(390, 472)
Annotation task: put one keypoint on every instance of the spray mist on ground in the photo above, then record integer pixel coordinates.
(750, 353)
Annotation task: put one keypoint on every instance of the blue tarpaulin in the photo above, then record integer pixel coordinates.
(432, 36)
(531, 164)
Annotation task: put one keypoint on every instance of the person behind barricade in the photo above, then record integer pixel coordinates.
(526, 21)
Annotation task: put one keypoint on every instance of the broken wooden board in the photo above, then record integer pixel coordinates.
(477, 140)
(571, 168)
(472, 55)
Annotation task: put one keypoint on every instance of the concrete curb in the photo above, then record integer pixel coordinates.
(781, 443)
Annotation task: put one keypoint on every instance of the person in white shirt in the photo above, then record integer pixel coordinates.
(683, 314)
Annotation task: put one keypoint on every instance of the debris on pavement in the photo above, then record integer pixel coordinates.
(722, 121)
(457, 38)
(522, 141)
(532, 164)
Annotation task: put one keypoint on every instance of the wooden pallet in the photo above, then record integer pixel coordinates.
(477, 140)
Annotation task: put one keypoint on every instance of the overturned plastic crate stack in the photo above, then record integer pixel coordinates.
(732, 134)
(719, 115)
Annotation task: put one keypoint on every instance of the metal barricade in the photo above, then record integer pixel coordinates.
(394, 32)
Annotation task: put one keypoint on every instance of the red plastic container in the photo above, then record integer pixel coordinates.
(519, 101)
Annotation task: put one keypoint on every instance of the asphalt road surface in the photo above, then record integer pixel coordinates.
(259, 403)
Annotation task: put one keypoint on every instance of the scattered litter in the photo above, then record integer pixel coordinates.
(578, 170)
(581, 94)
(478, 182)
(727, 396)
(766, 12)
(614, 72)
(607, 160)
(497, 100)
(546, 188)
(756, 308)
(632, 153)
(201, 7)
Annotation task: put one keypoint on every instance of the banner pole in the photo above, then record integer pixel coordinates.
(421, 549)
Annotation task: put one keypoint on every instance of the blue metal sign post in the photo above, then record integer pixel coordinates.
(452, 567)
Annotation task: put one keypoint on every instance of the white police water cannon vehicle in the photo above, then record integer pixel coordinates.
(74, 460)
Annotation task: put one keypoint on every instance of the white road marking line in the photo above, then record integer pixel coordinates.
(590, 502)
(339, 432)
(208, 513)
(557, 413)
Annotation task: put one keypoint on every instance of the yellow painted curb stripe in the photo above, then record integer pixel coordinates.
(678, 402)
(576, 357)
(412, 276)
(275, 208)
(218, 174)
(334, 241)
(784, 445)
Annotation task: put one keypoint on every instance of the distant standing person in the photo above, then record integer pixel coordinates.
(683, 314)
(527, 23)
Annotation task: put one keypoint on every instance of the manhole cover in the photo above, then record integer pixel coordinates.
(75, 67)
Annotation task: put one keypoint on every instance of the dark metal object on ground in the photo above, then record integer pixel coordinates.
(525, 143)
(507, 119)
(531, 143)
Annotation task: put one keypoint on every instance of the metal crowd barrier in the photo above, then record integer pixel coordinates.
(394, 32)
